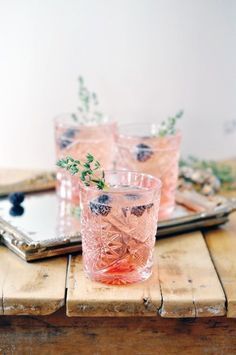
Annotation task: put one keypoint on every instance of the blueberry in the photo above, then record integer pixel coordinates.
(16, 210)
(139, 210)
(16, 198)
(99, 207)
(149, 206)
(104, 199)
(132, 197)
(63, 143)
(143, 152)
(66, 138)
(70, 133)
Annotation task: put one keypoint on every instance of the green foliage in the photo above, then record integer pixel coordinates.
(168, 127)
(222, 171)
(87, 170)
(88, 106)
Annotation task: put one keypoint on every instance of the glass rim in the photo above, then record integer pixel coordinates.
(129, 137)
(57, 120)
(144, 124)
(119, 189)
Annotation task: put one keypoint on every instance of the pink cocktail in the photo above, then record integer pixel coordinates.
(118, 227)
(68, 219)
(77, 140)
(141, 149)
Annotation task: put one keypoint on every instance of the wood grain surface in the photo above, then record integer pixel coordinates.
(222, 246)
(189, 283)
(58, 334)
(31, 288)
(184, 284)
(12, 180)
(3, 275)
(15, 176)
(88, 298)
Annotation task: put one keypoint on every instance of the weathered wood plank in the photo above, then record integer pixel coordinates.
(31, 288)
(12, 180)
(3, 273)
(189, 283)
(222, 246)
(58, 334)
(87, 298)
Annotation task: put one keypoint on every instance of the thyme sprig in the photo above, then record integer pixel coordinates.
(168, 127)
(89, 171)
(88, 112)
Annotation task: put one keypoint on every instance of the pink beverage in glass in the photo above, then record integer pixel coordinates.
(141, 149)
(68, 219)
(76, 141)
(118, 227)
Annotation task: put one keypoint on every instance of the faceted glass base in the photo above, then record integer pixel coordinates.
(122, 278)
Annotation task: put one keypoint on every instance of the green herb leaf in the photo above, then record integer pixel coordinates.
(168, 127)
(86, 170)
(88, 103)
(90, 158)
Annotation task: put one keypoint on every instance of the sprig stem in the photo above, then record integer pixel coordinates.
(168, 127)
(88, 170)
(88, 112)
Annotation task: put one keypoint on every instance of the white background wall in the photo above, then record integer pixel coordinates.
(144, 58)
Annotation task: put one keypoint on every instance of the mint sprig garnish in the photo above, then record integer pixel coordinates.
(88, 112)
(89, 171)
(168, 127)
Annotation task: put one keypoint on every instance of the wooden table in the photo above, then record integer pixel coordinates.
(188, 306)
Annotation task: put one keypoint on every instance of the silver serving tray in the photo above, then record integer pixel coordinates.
(50, 226)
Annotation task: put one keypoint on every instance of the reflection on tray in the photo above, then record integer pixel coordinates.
(45, 217)
(51, 226)
(194, 211)
(68, 219)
